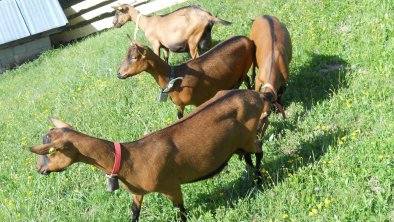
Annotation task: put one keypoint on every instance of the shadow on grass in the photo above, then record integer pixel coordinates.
(276, 171)
(316, 80)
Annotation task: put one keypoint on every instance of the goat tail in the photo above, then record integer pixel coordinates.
(221, 21)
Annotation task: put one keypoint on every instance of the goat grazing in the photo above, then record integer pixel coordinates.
(194, 148)
(185, 29)
(273, 55)
(223, 67)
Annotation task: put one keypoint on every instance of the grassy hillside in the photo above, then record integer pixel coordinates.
(332, 159)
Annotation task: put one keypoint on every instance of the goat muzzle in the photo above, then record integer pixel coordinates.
(43, 165)
(120, 76)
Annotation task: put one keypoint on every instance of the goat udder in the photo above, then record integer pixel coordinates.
(179, 48)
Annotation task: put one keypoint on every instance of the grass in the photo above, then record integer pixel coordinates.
(330, 160)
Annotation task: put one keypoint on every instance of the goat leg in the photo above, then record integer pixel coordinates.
(248, 160)
(193, 50)
(180, 111)
(248, 82)
(136, 207)
(156, 48)
(182, 212)
(177, 200)
(166, 52)
(259, 175)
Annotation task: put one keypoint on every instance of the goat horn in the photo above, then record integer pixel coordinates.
(129, 37)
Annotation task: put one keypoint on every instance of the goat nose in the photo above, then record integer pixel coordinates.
(43, 170)
(120, 76)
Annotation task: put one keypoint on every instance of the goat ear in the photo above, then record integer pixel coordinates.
(41, 149)
(131, 39)
(47, 148)
(141, 48)
(59, 123)
(119, 7)
(143, 52)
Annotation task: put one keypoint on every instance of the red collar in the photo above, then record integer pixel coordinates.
(280, 108)
(118, 157)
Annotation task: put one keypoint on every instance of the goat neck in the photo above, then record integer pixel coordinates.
(159, 70)
(94, 151)
(144, 20)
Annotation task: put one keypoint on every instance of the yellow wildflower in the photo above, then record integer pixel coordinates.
(285, 216)
(313, 212)
(327, 201)
(319, 206)
(10, 203)
(348, 103)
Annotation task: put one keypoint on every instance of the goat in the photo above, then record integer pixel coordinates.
(194, 148)
(186, 29)
(273, 54)
(223, 67)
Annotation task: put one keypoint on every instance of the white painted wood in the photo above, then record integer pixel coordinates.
(102, 10)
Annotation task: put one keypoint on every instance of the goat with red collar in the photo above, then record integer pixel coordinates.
(194, 148)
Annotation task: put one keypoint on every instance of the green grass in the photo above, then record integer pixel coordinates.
(332, 159)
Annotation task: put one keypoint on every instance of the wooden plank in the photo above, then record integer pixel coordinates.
(107, 22)
(83, 31)
(84, 5)
(101, 10)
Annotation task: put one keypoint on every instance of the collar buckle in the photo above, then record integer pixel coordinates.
(163, 95)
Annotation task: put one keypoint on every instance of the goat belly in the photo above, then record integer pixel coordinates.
(211, 174)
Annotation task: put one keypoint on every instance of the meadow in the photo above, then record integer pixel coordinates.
(332, 159)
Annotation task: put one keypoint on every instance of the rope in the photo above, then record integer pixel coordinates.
(136, 25)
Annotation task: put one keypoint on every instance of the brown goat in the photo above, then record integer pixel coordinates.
(223, 67)
(194, 148)
(273, 55)
(186, 29)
